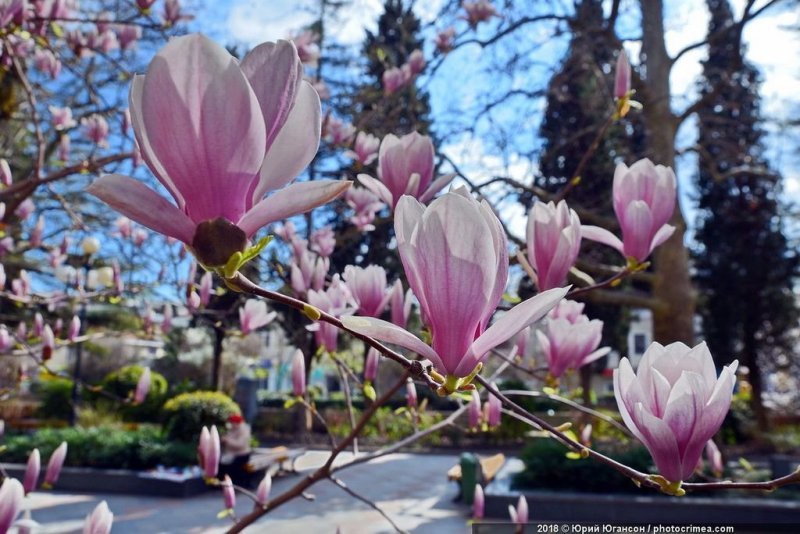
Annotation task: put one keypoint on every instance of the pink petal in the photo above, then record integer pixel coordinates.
(377, 187)
(436, 186)
(294, 146)
(204, 125)
(138, 202)
(517, 318)
(135, 105)
(663, 233)
(296, 198)
(636, 228)
(274, 70)
(391, 333)
(601, 235)
(660, 441)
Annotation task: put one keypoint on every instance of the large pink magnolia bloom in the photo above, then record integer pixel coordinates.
(405, 167)
(554, 240)
(220, 135)
(674, 403)
(644, 199)
(456, 260)
(570, 342)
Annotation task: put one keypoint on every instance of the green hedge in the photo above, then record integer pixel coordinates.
(186, 414)
(103, 447)
(547, 467)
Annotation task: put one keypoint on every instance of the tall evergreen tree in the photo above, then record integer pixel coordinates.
(373, 111)
(743, 264)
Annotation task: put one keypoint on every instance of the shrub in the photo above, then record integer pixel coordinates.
(55, 393)
(106, 447)
(547, 466)
(188, 413)
(122, 383)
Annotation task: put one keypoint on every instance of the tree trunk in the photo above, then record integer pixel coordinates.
(673, 318)
(216, 365)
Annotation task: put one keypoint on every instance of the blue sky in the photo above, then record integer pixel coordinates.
(772, 46)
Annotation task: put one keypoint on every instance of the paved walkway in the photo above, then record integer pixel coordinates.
(412, 489)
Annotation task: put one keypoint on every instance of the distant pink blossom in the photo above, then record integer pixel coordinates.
(394, 79)
(62, 118)
(337, 131)
(365, 150)
(142, 386)
(45, 61)
(444, 40)
(365, 204)
(95, 128)
(368, 287)
(416, 61)
(479, 11)
(323, 241)
(253, 315)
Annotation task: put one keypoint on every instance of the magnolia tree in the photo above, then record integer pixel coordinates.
(227, 139)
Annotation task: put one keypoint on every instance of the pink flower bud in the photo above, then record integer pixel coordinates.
(38, 324)
(586, 435)
(714, 457)
(11, 498)
(371, 365)
(478, 503)
(474, 410)
(299, 373)
(35, 237)
(95, 128)
(416, 61)
(494, 410)
(74, 328)
(99, 521)
(64, 147)
(142, 387)
(208, 451)
(444, 40)
(206, 286)
(5, 173)
(520, 515)
(55, 464)
(671, 382)
(622, 79)
(193, 301)
(48, 343)
(144, 5)
(166, 322)
(263, 490)
(479, 11)
(411, 394)
(393, 80)
(228, 493)
(31, 478)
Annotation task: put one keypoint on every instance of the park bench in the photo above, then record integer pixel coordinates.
(489, 467)
(262, 459)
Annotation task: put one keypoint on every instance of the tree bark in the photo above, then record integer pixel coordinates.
(673, 318)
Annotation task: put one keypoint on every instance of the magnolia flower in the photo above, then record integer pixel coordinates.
(6, 178)
(127, 35)
(455, 257)
(479, 11)
(11, 498)
(394, 79)
(323, 241)
(622, 77)
(142, 386)
(405, 167)
(208, 451)
(35, 238)
(400, 304)
(299, 373)
(554, 240)
(166, 319)
(38, 324)
(307, 47)
(32, 469)
(206, 286)
(365, 204)
(519, 515)
(371, 365)
(219, 135)
(411, 394)
(144, 5)
(644, 199)
(416, 61)
(55, 464)
(45, 61)
(521, 341)
(714, 457)
(365, 150)
(62, 118)
(478, 503)
(99, 521)
(368, 287)
(253, 315)
(263, 490)
(338, 132)
(570, 343)
(474, 410)
(48, 342)
(228, 493)
(674, 403)
(494, 407)
(337, 301)
(308, 272)
(95, 128)
(5, 339)
(444, 40)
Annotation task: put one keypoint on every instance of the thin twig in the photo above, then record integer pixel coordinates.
(371, 504)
